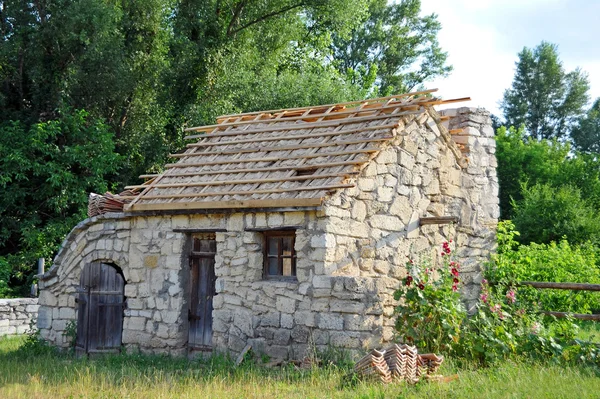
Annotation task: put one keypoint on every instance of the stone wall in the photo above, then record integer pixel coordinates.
(17, 315)
(285, 319)
(479, 213)
(351, 253)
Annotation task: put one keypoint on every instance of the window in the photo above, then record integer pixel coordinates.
(280, 256)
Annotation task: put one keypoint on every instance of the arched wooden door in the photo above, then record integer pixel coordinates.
(100, 315)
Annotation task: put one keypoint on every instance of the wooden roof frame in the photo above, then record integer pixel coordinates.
(231, 165)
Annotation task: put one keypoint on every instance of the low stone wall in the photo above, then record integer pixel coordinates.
(17, 314)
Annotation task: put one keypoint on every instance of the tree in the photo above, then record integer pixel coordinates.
(143, 70)
(543, 97)
(48, 170)
(525, 160)
(549, 213)
(586, 135)
(395, 48)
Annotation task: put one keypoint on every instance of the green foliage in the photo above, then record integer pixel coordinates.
(431, 314)
(543, 97)
(554, 262)
(586, 134)
(148, 68)
(547, 214)
(524, 163)
(152, 376)
(507, 322)
(502, 327)
(381, 53)
(48, 169)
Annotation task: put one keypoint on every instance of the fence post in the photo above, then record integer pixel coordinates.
(41, 264)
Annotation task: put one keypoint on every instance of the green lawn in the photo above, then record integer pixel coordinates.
(24, 374)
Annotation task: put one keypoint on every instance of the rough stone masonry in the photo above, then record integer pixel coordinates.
(351, 252)
(17, 315)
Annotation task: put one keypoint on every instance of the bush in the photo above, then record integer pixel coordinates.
(507, 322)
(431, 313)
(554, 262)
(547, 214)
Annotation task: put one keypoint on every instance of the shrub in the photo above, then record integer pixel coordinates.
(507, 322)
(431, 313)
(554, 262)
(547, 214)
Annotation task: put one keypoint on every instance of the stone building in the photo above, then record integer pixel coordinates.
(283, 229)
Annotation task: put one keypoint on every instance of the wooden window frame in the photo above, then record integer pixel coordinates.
(279, 234)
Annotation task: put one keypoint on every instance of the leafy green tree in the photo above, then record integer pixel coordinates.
(524, 160)
(543, 97)
(586, 135)
(143, 70)
(48, 170)
(549, 213)
(395, 48)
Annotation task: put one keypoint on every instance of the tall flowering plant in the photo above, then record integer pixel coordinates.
(430, 313)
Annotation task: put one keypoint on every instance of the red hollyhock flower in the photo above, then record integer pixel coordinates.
(455, 280)
(454, 272)
(421, 286)
(408, 280)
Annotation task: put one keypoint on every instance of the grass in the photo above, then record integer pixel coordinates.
(33, 372)
(589, 331)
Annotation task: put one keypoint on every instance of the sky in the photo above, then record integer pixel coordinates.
(483, 37)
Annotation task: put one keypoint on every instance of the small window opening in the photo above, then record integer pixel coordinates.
(280, 255)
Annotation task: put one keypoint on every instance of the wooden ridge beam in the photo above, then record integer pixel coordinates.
(292, 137)
(372, 100)
(283, 148)
(267, 169)
(249, 181)
(305, 125)
(242, 192)
(271, 159)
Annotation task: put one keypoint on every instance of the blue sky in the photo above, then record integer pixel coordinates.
(483, 37)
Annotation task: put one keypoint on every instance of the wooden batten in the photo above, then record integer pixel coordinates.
(273, 159)
(298, 126)
(374, 100)
(287, 137)
(248, 181)
(438, 220)
(283, 148)
(268, 169)
(237, 204)
(245, 192)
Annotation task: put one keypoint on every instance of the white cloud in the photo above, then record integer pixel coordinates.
(483, 37)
